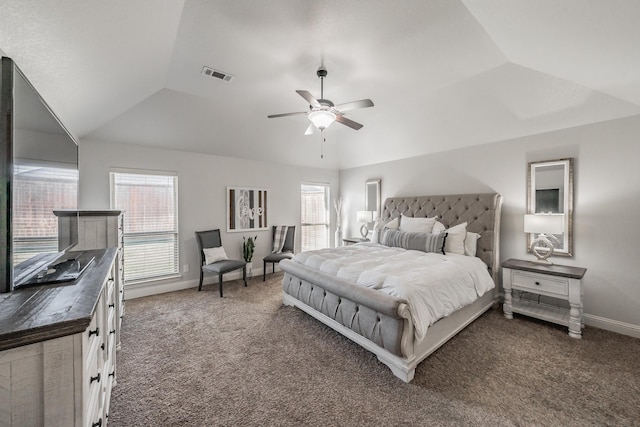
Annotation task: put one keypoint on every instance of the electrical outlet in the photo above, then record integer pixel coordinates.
(185, 268)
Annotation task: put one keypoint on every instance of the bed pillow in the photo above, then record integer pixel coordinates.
(438, 227)
(471, 243)
(455, 239)
(416, 225)
(212, 255)
(378, 225)
(394, 224)
(425, 242)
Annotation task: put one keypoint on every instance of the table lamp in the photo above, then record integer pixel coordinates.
(545, 225)
(364, 217)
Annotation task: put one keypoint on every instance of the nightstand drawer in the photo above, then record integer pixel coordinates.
(539, 283)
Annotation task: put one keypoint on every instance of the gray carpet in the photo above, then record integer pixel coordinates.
(190, 358)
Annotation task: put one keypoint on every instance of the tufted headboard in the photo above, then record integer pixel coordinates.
(480, 211)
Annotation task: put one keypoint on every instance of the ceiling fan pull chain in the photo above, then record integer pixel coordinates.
(322, 144)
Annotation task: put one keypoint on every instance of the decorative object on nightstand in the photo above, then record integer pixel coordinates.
(546, 225)
(557, 281)
(364, 218)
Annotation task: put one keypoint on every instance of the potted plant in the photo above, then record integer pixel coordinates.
(248, 246)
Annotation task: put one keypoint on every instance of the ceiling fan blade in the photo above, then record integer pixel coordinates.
(363, 103)
(310, 130)
(348, 122)
(310, 99)
(286, 114)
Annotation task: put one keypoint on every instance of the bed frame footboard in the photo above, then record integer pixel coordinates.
(376, 321)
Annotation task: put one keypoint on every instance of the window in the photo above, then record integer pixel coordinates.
(40, 189)
(314, 216)
(150, 205)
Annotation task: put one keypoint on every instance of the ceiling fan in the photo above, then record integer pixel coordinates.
(322, 112)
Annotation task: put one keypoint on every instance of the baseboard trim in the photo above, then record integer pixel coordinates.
(612, 325)
(146, 289)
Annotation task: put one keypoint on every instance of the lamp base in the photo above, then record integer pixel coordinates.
(364, 231)
(542, 248)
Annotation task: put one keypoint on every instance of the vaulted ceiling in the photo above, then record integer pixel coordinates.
(443, 74)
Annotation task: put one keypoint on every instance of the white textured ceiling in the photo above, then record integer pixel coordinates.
(443, 74)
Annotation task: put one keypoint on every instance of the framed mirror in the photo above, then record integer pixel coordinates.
(372, 196)
(550, 192)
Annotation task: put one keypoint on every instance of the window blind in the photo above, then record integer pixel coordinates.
(149, 203)
(314, 216)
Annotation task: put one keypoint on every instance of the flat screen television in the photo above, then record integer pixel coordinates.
(39, 173)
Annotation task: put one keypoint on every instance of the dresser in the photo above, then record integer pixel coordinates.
(57, 349)
(541, 280)
(97, 229)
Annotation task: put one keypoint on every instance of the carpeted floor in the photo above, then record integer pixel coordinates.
(190, 358)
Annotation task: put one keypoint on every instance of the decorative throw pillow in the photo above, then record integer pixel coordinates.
(416, 225)
(471, 243)
(425, 242)
(212, 255)
(455, 239)
(279, 237)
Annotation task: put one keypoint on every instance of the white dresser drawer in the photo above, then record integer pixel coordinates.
(540, 283)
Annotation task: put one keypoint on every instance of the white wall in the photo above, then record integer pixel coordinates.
(202, 181)
(606, 203)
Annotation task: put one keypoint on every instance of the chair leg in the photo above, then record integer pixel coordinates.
(244, 275)
(264, 270)
(273, 267)
(200, 285)
(220, 283)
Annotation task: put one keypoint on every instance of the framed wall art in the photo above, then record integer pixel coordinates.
(247, 208)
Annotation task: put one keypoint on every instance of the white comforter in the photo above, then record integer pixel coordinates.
(434, 285)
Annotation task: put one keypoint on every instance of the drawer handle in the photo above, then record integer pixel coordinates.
(112, 374)
(538, 283)
(95, 332)
(112, 305)
(112, 332)
(97, 424)
(96, 378)
(102, 347)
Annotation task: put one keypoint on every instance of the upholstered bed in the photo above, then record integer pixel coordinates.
(383, 323)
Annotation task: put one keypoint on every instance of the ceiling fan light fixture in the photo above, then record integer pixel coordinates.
(322, 119)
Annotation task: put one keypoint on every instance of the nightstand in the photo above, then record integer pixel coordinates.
(557, 281)
(351, 240)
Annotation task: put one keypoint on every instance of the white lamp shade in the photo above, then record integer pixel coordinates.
(322, 118)
(364, 216)
(544, 223)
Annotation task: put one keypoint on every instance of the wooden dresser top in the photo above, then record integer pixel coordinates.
(37, 313)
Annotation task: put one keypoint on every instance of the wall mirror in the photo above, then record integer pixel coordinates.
(550, 191)
(372, 196)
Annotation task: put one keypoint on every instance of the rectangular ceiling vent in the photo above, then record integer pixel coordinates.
(210, 72)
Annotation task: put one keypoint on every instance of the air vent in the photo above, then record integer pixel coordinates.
(210, 72)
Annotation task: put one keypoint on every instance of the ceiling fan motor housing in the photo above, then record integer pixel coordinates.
(322, 72)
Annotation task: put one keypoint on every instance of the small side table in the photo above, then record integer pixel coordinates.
(352, 240)
(557, 281)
